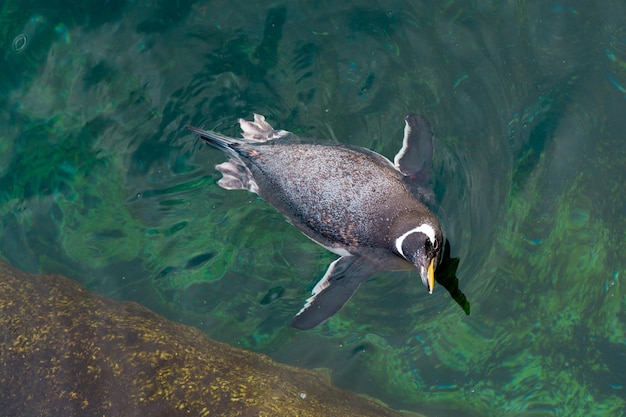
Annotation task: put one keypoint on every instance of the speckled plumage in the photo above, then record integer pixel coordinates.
(350, 200)
(347, 183)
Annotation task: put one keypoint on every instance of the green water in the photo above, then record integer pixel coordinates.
(99, 181)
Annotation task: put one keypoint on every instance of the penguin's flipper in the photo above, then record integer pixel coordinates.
(415, 157)
(341, 280)
(259, 130)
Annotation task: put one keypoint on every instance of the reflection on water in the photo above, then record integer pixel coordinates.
(99, 181)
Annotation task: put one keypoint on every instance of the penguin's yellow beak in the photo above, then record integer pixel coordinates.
(431, 276)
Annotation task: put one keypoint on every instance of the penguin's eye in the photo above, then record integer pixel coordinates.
(436, 244)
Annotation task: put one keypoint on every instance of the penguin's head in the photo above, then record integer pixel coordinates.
(422, 246)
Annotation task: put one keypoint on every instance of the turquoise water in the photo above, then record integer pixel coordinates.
(99, 181)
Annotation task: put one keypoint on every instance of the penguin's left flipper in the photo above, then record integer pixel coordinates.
(341, 280)
(415, 157)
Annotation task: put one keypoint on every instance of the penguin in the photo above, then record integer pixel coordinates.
(352, 201)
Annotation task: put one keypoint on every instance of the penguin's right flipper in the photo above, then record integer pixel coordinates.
(415, 157)
(333, 291)
(414, 160)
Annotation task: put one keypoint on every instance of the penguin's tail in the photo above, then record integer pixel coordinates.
(221, 142)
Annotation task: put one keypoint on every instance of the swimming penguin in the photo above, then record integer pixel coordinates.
(350, 200)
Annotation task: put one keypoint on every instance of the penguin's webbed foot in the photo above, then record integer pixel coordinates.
(259, 130)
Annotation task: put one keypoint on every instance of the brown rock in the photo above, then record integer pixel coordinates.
(67, 352)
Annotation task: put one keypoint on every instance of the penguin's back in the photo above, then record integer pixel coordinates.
(336, 195)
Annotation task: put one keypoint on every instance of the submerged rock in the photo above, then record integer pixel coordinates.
(67, 352)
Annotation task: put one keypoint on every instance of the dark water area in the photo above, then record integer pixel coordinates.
(100, 181)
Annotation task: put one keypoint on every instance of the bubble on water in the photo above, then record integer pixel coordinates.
(19, 43)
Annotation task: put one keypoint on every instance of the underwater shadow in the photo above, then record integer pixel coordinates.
(446, 277)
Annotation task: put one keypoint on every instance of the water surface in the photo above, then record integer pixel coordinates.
(99, 181)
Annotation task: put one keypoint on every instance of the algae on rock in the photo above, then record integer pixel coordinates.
(66, 351)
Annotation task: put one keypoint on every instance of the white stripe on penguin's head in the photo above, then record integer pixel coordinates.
(426, 229)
